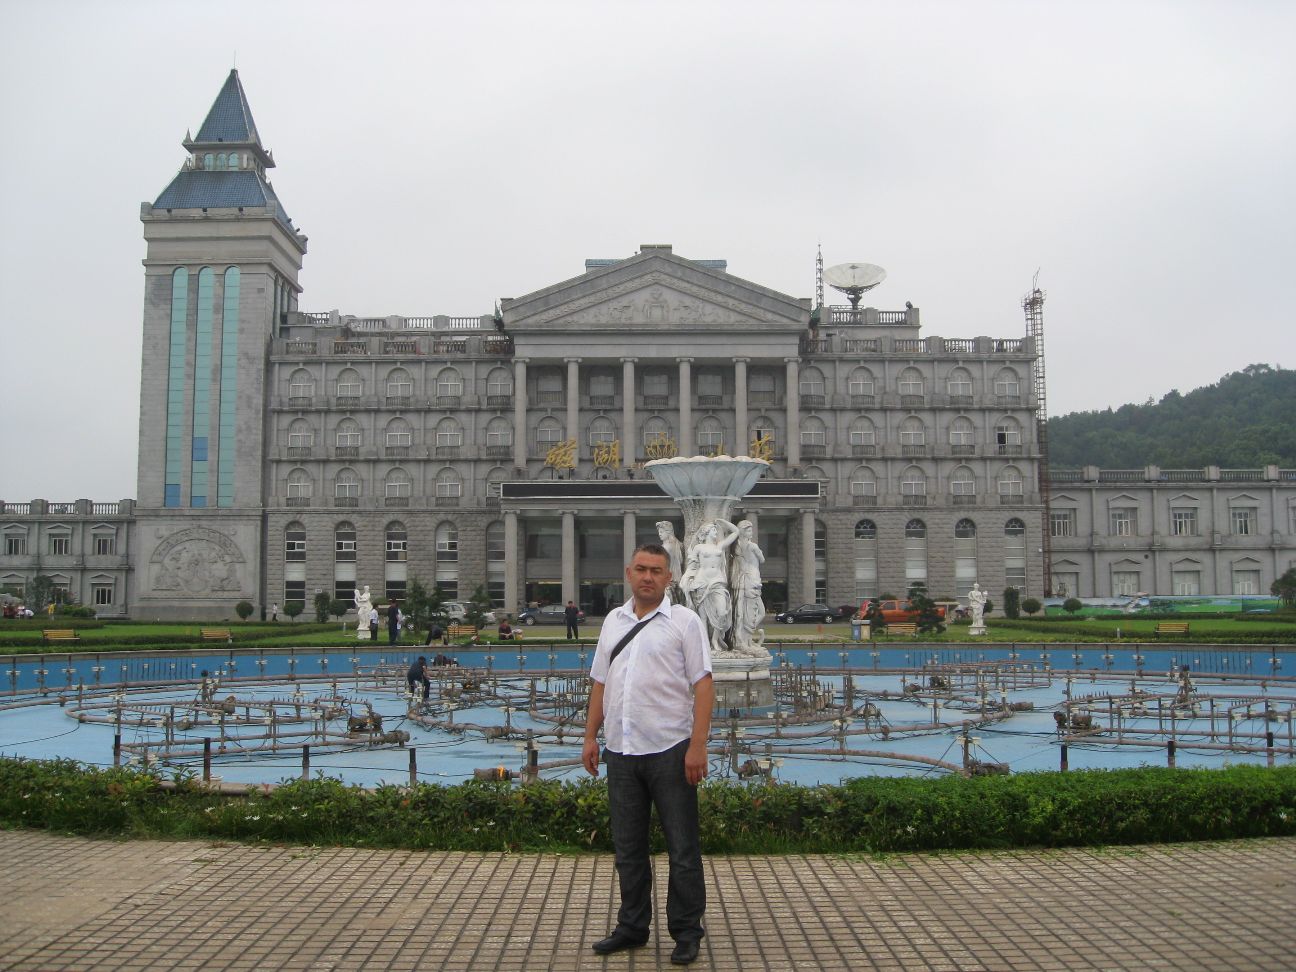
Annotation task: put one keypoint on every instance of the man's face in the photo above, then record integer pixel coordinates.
(648, 575)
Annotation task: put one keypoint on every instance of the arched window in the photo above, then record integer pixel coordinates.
(913, 487)
(301, 386)
(861, 387)
(915, 554)
(911, 387)
(447, 560)
(821, 562)
(449, 388)
(220, 161)
(350, 386)
(963, 486)
(762, 432)
(1007, 386)
(344, 562)
(400, 388)
(233, 160)
(549, 432)
(866, 561)
(1015, 554)
(294, 562)
(814, 437)
(601, 431)
(449, 438)
(397, 487)
(396, 565)
(499, 437)
(397, 438)
(495, 478)
(300, 486)
(499, 388)
(962, 437)
(449, 487)
(346, 488)
(965, 556)
(658, 436)
(209, 161)
(812, 388)
(347, 438)
(913, 437)
(710, 436)
(1008, 437)
(863, 487)
(1010, 486)
(496, 566)
(301, 438)
(958, 385)
(817, 472)
(863, 437)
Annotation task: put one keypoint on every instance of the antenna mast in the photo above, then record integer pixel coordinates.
(819, 280)
(1033, 305)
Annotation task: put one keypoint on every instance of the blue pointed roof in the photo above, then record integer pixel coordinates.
(230, 118)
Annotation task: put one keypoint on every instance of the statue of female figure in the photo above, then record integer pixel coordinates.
(666, 531)
(364, 606)
(705, 582)
(749, 609)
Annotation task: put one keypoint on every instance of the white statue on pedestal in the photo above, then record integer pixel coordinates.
(976, 605)
(705, 582)
(364, 607)
(745, 582)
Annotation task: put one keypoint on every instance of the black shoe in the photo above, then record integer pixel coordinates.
(685, 952)
(618, 941)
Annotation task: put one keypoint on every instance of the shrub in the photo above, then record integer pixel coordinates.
(1071, 605)
(243, 609)
(1031, 605)
(294, 608)
(322, 601)
(337, 607)
(1012, 603)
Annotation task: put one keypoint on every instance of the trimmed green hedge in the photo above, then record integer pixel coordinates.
(874, 814)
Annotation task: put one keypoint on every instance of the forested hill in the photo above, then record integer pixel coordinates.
(1244, 421)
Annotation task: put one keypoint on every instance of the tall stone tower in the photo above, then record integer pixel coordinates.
(220, 273)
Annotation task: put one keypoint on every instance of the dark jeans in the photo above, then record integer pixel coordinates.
(414, 683)
(635, 785)
(571, 631)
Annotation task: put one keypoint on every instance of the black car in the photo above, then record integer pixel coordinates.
(812, 613)
(548, 614)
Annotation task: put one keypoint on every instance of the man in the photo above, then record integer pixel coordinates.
(394, 621)
(654, 701)
(416, 676)
(572, 614)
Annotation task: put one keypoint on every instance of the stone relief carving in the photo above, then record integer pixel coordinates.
(197, 561)
(653, 298)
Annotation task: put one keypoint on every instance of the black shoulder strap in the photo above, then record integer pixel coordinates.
(629, 637)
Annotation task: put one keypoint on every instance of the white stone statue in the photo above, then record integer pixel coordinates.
(745, 583)
(976, 605)
(705, 582)
(674, 550)
(364, 606)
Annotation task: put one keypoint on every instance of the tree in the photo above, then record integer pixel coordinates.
(40, 592)
(929, 618)
(244, 610)
(1284, 588)
(1071, 605)
(477, 606)
(339, 607)
(294, 608)
(873, 615)
(322, 603)
(1012, 603)
(1031, 605)
(422, 604)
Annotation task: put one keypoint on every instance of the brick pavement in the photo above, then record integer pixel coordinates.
(68, 903)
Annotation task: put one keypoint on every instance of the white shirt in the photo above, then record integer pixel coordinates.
(648, 699)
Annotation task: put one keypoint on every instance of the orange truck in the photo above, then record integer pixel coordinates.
(899, 611)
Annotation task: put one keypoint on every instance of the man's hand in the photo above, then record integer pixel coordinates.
(590, 756)
(695, 763)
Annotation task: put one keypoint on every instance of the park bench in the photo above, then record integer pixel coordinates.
(215, 634)
(1171, 628)
(462, 630)
(58, 634)
(903, 628)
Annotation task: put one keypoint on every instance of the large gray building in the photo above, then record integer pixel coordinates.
(284, 453)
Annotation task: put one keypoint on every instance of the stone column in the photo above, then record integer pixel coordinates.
(793, 412)
(742, 436)
(512, 590)
(629, 444)
(629, 528)
(573, 404)
(570, 589)
(519, 413)
(807, 557)
(686, 407)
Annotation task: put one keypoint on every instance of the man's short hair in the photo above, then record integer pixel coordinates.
(656, 549)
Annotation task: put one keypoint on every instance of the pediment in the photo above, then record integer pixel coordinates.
(659, 301)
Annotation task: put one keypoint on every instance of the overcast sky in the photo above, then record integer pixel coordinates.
(442, 155)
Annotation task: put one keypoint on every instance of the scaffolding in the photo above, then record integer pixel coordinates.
(1033, 305)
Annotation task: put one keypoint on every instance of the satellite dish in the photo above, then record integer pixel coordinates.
(854, 279)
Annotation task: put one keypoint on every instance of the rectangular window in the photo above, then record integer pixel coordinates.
(1125, 583)
(344, 546)
(548, 436)
(712, 438)
(710, 385)
(295, 590)
(60, 546)
(1246, 582)
(814, 437)
(1066, 584)
(1244, 521)
(345, 439)
(499, 388)
(101, 594)
(1124, 522)
(15, 546)
(397, 549)
(400, 389)
(346, 489)
(348, 389)
(399, 438)
(302, 390)
(301, 440)
(444, 439)
(1062, 523)
(1183, 521)
(544, 543)
(863, 436)
(911, 387)
(398, 489)
(961, 388)
(105, 546)
(500, 437)
(656, 384)
(1007, 388)
(449, 388)
(1185, 583)
(295, 546)
(449, 488)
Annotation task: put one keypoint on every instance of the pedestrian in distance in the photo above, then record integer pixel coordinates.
(656, 730)
(572, 614)
(394, 621)
(373, 624)
(436, 633)
(417, 675)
